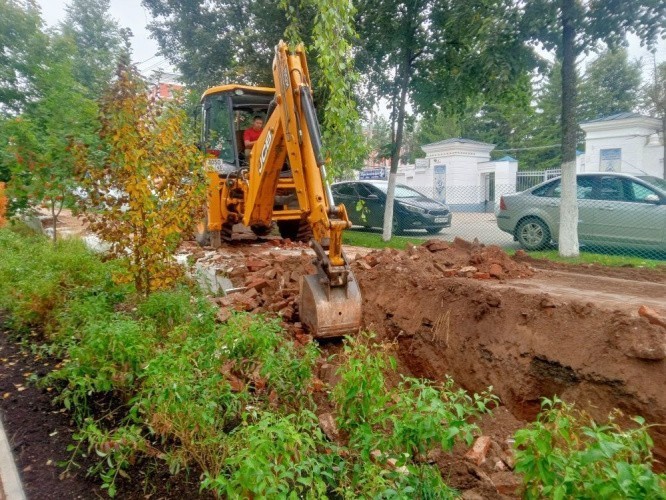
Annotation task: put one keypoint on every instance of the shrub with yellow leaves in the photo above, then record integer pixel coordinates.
(144, 184)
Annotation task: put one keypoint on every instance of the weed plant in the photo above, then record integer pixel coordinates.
(38, 278)
(565, 454)
(397, 427)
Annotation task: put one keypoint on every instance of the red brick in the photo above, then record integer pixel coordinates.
(479, 451)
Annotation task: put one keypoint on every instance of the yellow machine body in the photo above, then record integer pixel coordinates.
(282, 181)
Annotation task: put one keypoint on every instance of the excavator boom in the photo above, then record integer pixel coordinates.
(330, 300)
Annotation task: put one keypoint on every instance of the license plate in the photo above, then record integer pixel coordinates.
(441, 219)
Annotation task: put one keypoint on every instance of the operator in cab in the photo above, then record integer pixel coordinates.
(251, 135)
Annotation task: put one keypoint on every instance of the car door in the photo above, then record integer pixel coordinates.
(549, 205)
(587, 217)
(633, 219)
(372, 205)
(347, 195)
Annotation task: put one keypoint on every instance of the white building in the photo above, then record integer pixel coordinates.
(459, 172)
(624, 142)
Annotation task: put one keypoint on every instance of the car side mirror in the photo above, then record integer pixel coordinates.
(652, 198)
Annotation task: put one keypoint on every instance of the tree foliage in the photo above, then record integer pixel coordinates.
(332, 34)
(21, 52)
(40, 142)
(221, 40)
(611, 84)
(145, 185)
(99, 42)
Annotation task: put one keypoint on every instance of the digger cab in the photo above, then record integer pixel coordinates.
(228, 111)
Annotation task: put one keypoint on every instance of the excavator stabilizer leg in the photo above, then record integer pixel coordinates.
(330, 312)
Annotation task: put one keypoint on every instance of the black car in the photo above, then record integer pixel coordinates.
(365, 202)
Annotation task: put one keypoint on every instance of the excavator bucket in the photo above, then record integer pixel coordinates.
(327, 311)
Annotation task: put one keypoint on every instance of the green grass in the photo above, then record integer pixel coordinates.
(374, 240)
(598, 258)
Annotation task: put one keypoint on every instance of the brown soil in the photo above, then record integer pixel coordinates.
(527, 328)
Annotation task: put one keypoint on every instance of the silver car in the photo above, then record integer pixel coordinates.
(614, 210)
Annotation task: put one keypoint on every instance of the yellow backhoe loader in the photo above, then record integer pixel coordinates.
(281, 180)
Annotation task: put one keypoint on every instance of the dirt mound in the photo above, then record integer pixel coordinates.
(436, 258)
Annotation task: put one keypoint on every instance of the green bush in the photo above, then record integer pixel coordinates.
(392, 429)
(37, 278)
(274, 456)
(565, 454)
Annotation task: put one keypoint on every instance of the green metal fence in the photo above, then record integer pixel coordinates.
(617, 214)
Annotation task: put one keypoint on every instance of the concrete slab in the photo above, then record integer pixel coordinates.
(10, 481)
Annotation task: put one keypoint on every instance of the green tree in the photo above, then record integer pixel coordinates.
(234, 41)
(611, 84)
(41, 141)
(436, 55)
(654, 101)
(22, 44)
(570, 27)
(99, 41)
(222, 40)
(333, 33)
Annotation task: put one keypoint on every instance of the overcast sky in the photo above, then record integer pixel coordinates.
(131, 14)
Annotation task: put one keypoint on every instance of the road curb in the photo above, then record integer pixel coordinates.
(10, 481)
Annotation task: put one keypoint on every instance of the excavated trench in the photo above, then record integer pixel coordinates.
(525, 343)
(473, 313)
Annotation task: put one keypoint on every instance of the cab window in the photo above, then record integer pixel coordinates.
(218, 128)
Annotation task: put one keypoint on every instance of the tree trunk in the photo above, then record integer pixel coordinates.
(397, 145)
(663, 142)
(568, 237)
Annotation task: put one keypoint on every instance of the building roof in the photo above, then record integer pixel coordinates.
(507, 158)
(617, 116)
(458, 140)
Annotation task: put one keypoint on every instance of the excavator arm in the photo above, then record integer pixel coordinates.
(330, 301)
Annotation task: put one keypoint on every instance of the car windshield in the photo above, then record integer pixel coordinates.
(400, 191)
(655, 181)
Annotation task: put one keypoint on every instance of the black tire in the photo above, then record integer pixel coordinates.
(533, 233)
(261, 230)
(433, 230)
(295, 230)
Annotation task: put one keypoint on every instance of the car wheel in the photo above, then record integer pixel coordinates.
(433, 230)
(533, 234)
